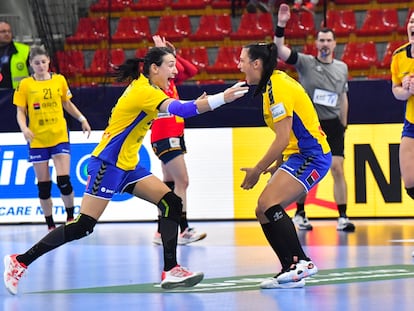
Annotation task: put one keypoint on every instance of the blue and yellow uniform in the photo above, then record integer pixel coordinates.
(115, 161)
(402, 64)
(43, 101)
(307, 156)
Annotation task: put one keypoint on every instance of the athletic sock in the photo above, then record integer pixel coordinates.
(285, 229)
(49, 221)
(183, 222)
(342, 210)
(300, 209)
(69, 212)
(278, 245)
(169, 233)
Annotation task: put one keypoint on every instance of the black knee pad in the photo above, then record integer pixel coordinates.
(410, 192)
(275, 213)
(171, 206)
(45, 188)
(82, 226)
(64, 185)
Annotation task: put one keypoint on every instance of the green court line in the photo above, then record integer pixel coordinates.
(251, 282)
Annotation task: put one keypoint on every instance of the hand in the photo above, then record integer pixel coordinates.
(202, 96)
(86, 127)
(251, 178)
(159, 41)
(236, 91)
(28, 135)
(283, 15)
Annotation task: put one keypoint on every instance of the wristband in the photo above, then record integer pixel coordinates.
(81, 119)
(280, 32)
(216, 100)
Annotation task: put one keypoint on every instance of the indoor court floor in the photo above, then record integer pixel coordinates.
(118, 268)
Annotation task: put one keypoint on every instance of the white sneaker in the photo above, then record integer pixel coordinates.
(345, 225)
(302, 222)
(190, 235)
(180, 277)
(297, 272)
(157, 238)
(273, 283)
(13, 271)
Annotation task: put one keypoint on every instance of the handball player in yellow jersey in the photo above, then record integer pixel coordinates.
(114, 165)
(41, 100)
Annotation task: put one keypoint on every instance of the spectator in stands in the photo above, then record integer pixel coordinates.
(325, 79)
(298, 158)
(402, 75)
(114, 165)
(40, 101)
(167, 139)
(310, 5)
(14, 58)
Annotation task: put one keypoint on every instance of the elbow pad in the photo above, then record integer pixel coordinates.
(183, 109)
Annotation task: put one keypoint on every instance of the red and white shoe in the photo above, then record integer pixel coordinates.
(180, 277)
(13, 271)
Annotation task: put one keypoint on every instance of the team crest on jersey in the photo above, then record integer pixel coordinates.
(36, 106)
(313, 177)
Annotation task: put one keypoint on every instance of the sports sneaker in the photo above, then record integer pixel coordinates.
(273, 283)
(180, 277)
(157, 238)
(298, 271)
(345, 225)
(13, 271)
(51, 228)
(302, 222)
(190, 235)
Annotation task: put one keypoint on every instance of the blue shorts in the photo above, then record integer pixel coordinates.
(308, 170)
(408, 129)
(45, 154)
(104, 180)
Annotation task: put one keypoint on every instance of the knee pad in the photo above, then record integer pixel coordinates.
(64, 185)
(45, 188)
(410, 192)
(82, 226)
(171, 206)
(275, 213)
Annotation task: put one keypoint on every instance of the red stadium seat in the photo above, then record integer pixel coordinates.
(300, 25)
(212, 28)
(389, 50)
(310, 49)
(196, 55)
(360, 55)
(132, 29)
(70, 63)
(174, 27)
(254, 26)
(378, 22)
(226, 61)
(342, 22)
(104, 61)
(90, 30)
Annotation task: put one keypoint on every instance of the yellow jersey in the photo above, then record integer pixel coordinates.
(285, 97)
(129, 122)
(43, 100)
(402, 64)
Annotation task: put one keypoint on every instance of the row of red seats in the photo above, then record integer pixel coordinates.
(377, 22)
(252, 26)
(358, 56)
(369, 1)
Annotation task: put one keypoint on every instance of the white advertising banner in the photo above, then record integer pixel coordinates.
(209, 163)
